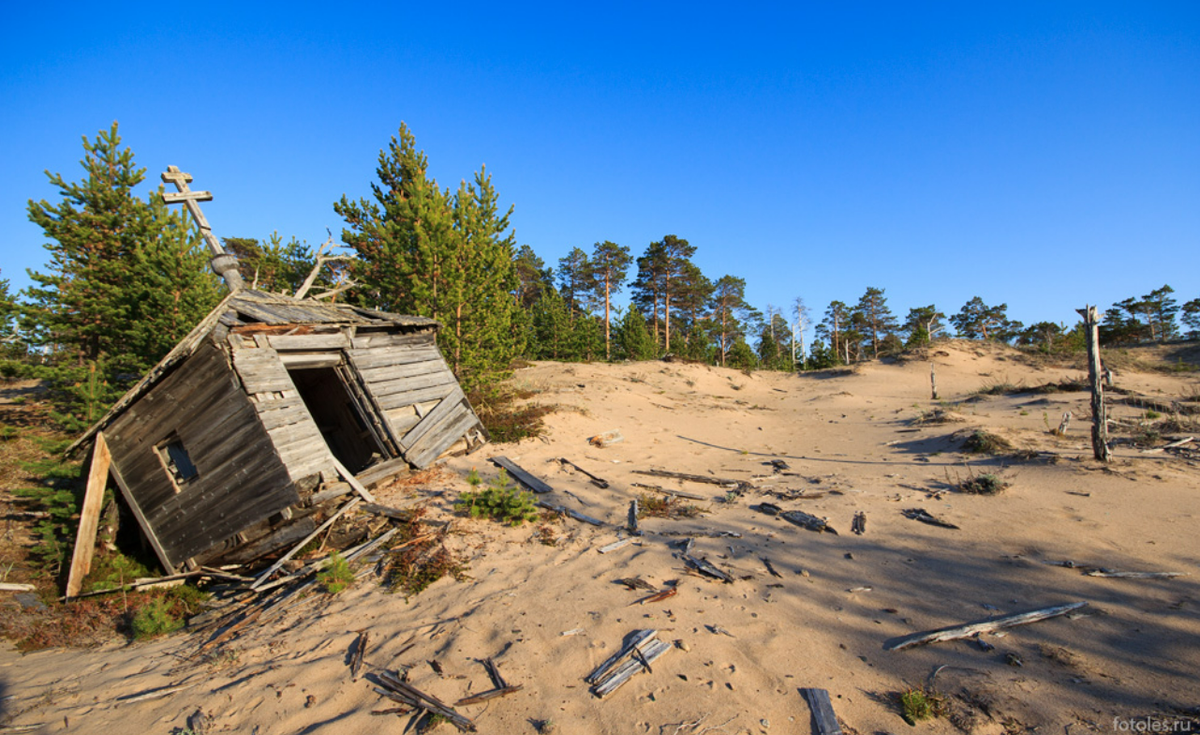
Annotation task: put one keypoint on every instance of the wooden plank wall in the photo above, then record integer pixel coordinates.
(297, 439)
(411, 384)
(240, 480)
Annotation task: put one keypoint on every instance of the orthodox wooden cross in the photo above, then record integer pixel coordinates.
(224, 264)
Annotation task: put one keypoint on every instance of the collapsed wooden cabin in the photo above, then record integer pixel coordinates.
(227, 449)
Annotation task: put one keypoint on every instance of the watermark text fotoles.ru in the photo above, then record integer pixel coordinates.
(1152, 724)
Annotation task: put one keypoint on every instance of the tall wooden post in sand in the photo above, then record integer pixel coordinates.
(1091, 326)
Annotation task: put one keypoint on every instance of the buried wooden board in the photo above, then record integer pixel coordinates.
(520, 475)
(966, 630)
(431, 447)
(444, 411)
(89, 518)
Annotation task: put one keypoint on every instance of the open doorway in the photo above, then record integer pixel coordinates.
(337, 416)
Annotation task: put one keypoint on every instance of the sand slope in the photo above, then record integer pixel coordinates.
(853, 444)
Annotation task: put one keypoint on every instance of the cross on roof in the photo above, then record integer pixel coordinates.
(224, 264)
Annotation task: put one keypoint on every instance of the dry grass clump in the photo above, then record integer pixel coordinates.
(506, 416)
(419, 557)
(666, 506)
(985, 484)
(985, 442)
(939, 415)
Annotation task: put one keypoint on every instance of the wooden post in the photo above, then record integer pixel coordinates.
(89, 516)
(933, 381)
(1091, 324)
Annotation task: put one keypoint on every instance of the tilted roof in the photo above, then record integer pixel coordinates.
(248, 307)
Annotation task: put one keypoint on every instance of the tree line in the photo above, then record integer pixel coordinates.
(127, 278)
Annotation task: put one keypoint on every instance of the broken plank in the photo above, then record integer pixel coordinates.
(722, 481)
(707, 567)
(360, 652)
(409, 694)
(1134, 575)
(489, 694)
(572, 513)
(825, 722)
(349, 477)
(615, 545)
(521, 476)
(967, 630)
(924, 516)
(597, 481)
(665, 491)
(262, 578)
(640, 660)
(638, 638)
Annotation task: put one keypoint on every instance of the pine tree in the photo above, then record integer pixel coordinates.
(449, 257)
(832, 329)
(576, 281)
(610, 264)
(877, 317)
(729, 314)
(634, 341)
(678, 259)
(1191, 318)
(922, 325)
(126, 280)
(533, 277)
(977, 320)
(650, 283)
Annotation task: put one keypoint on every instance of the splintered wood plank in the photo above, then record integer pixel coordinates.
(443, 412)
(366, 340)
(385, 389)
(967, 630)
(89, 518)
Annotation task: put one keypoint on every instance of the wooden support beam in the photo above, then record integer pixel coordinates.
(89, 516)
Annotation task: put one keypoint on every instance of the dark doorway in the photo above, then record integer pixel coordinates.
(337, 417)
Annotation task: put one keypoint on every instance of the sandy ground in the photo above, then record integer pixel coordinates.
(852, 443)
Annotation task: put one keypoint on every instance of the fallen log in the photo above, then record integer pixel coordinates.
(967, 630)
(924, 516)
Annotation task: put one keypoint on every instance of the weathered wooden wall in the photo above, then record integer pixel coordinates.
(240, 481)
(412, 386)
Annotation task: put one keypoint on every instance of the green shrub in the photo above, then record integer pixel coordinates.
(501, 501)
(337, 576)
(155, 618)
(918, 704)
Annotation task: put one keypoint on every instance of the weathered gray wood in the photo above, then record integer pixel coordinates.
(273, 541)
(310, 360)
(406, 398)
(265, 576)
(572, 513)
(446, 410)
(147, 529)
(261, 370)
(932, 386)
(89, 516)
(708, 479)
(639, 638)
(383, 339)
(643, 649)
(349, 477)
(435, 443)
(824, 720)
(1134, 575)
(382, 472)
(667, 491)
(409, 694)
(966, 630)
(597, 481)
(312, 342)
(1091, 328)
(706, 567)
(518, 473)
(380, 389)
(382, 357)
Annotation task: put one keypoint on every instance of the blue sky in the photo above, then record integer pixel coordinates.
(1045, 155)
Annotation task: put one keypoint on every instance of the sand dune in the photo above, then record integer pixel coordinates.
(853, 441)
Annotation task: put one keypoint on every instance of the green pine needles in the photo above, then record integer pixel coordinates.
(500, 501)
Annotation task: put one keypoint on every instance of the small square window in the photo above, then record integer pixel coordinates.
(177, 461)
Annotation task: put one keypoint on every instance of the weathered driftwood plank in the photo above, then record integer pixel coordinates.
(966, 630)
(615, 545)
(385, 356)
(667, 491)
(924, 516)
(638, 638)
(1172, 445)
(404, 397)
(517, 473)
(642, 650)
(89, 518)
(401, 691)
(415, 385)
(382, 472)
(572, 513)
(597, 481)
(1134, 575)
(261, 371)
(824, 720)
(796, 517)
(706, 567)
(407, 371)
(722, 481)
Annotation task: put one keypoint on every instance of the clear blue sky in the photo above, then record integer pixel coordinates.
(1045, 155)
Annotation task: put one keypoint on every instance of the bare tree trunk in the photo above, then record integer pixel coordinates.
(607, 332)
(1091, 323)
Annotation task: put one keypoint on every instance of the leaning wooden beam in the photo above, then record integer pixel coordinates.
(825, 721)
(987, 625)
(1172, 445)
(349, 477)
(262, 578)
(521, 476)
(89, 518)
